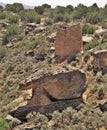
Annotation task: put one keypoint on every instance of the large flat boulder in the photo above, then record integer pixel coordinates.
(54, 84)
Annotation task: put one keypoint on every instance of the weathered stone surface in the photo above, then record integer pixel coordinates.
(32, 25)
(51, 38)
(68, 40)
(103, 106)
(12, 121)
(22, 112)
(58, 83)
(87, 38)
(26, 126)
(3, 24)
(100, 59)
(40, 56)
(40, 29)
(29, 53)
(53, 89)
(64, 85)
(52, 49)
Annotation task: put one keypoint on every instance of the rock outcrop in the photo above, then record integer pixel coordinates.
(100, 60)
(55, 88)
(22, 112)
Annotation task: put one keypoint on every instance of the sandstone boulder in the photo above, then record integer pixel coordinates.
(57, 84)
(53, 89)
(100, 61)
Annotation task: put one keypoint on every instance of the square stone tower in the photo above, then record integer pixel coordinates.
(68, 41)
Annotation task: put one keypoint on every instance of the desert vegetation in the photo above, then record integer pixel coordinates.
(27, 45)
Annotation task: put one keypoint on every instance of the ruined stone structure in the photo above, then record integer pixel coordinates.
(54, 89)
(100, 61)
(68, 41)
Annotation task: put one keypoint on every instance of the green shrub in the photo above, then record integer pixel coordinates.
(13, 19)
(11, 33)
(66, 18)
(2, 52)
(5, 15)
(32, 44)
(46, 6)
(29, 16)
(88, 29)
(15, 7)
(92, 44)
(2, 15)
(59, 17)
(69, 9)
(3, 124)
(105, 37)
(48, 22)
(94, 18)
(39, 9)
(1, 7)
(80, 12)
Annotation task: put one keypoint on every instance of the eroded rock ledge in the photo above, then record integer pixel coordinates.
(22, 112)
(53, 89)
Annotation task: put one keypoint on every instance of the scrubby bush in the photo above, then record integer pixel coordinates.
(69, 9)
(92, 44)
(94, 18)
(84, 119)
(2, 15)
(61, 14)
(15, 7)
(58, 17)
(88, 29)
(1, 7)
(3, 124)
(2, 52)
(104, 37)
(80, 12)
(29, 16)
(32, 44)
(48, 22)
(8, 7)
(11, 33)
(39, 9)
(105, 10)
(46, 6)
(66, 18)
(13, 19)
(94, 8)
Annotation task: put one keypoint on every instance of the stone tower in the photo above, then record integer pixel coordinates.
(68, 41)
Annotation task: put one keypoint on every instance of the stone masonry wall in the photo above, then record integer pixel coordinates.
(68, 40)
